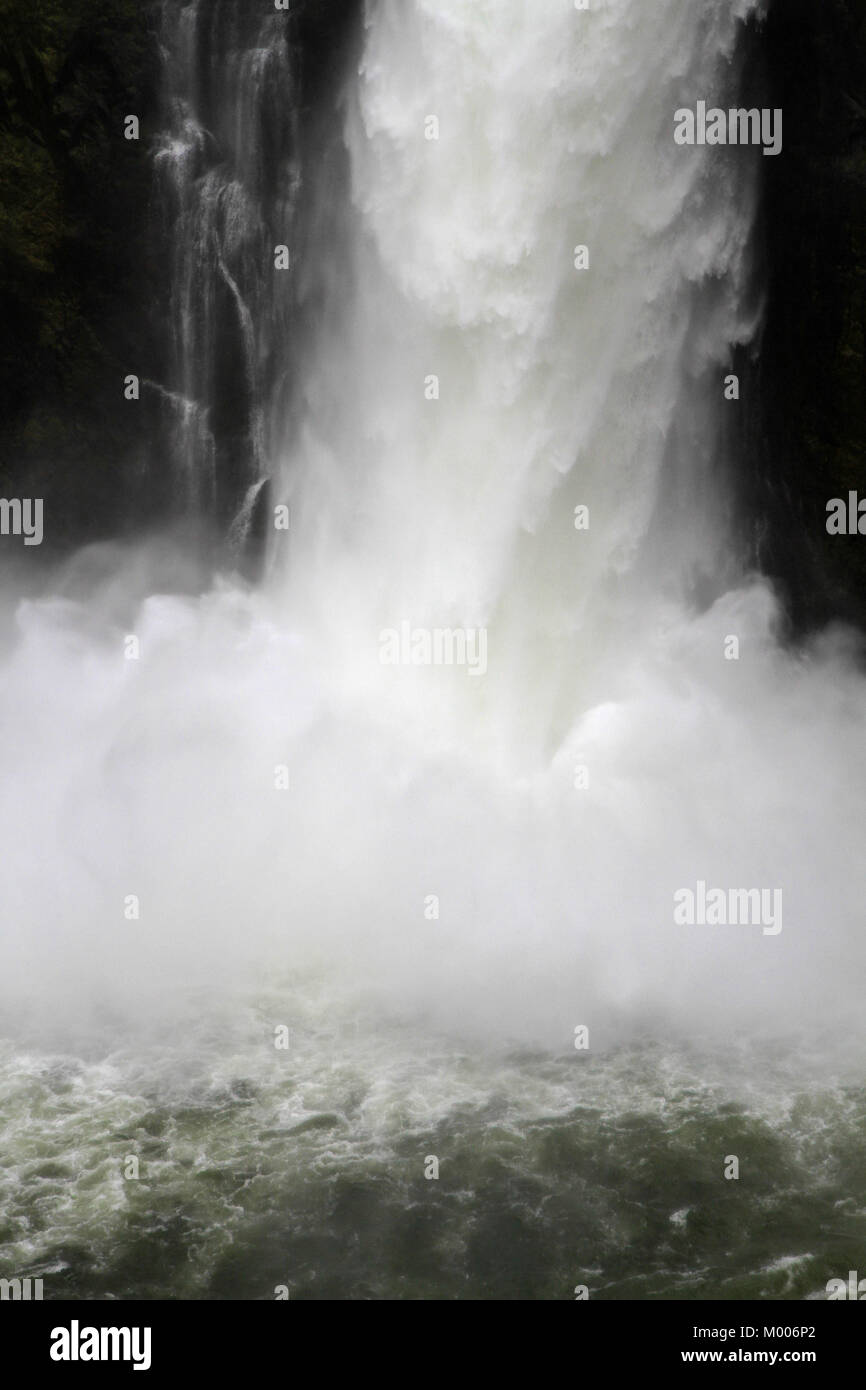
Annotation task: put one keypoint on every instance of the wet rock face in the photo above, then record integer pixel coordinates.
(322, 31)
(234, 163)
(100, 271)
(74, 268)
(812, 373)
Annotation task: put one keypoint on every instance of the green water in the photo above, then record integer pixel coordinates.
(306, 1168)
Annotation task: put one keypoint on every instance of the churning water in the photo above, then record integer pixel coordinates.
(430, 875)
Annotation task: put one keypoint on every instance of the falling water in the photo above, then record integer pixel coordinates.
(226, 175)
(554, 388)
(425, 880)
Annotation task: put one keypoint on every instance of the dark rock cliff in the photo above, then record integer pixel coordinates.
(811, 375)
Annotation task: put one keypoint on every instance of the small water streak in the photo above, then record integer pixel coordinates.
(226, 176)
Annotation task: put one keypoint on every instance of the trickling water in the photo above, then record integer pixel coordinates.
(282, 809)
(227, 174)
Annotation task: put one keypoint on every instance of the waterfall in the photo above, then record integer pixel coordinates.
(382, 861)
(474, 389)
(447, 697)
(226, 176)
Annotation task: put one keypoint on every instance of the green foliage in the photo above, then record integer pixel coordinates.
(73, 209)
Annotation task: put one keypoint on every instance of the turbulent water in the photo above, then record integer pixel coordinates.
(255, 824)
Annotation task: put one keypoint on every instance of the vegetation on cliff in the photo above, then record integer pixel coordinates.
(73, 255)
